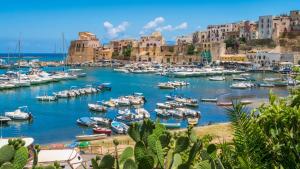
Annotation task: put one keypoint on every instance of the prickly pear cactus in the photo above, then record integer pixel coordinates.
(126, 154)
(7, 152)
(182, 144)
(134, 132)
(107, 162)
(129, 164)
(21, 157)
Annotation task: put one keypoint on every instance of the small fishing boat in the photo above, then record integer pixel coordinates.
(217, 78)
(209, 100)
(110, 103)
(239, 79)
(101, 120)
(105, 86)
(142, 112)
(162, 112)
(119, 127)
(241, 85)
(272, 79)
(20, 114)
(176, 113)
(46, 98)
(266, 85)
(91, 137)
(166, 86)
(281, 84)
(188, 112)
(163, 106)
(224, 104)
(4, 120)
(123, 102)
(86, 121)
(246, 101)
(192, 121)
(97, 107)
(171, 125)
(102, 130)
(187, 101)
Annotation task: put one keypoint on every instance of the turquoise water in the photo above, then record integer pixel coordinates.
(56, 121)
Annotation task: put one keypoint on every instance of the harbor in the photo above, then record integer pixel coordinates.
(129, 94)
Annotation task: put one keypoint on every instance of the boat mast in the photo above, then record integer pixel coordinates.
(63, 50)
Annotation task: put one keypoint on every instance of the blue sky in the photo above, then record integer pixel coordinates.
(40, 23)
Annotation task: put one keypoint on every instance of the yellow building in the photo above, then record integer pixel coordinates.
(103, 53)
(234, 58)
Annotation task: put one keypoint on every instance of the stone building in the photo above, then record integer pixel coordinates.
(83, 50)
(103, 53)
(281, 24)
(295, 20)
(119, 45)
(187, 39)
(248, 30)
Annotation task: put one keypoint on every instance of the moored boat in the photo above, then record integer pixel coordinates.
(209, 100)
(20, 114)
(102, 130)
(86, 121)
(101, 120)
(171, 125)
(119, 127)
(217, 78)
(90, 137)
(97, 107)
(4, 120)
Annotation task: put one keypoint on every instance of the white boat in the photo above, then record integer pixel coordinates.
(90, 137)
(4, 120)
(101, 120)
(142, 112)
(162, 112)
(28, 141)
(123, 102)
(163, 106)
(166, 86)
(272, 79)
(119, 127)
(266, 85)
(67, 158)
(209, 100)
(242, 85)
(97, 107)
(46, 98)
(217, 78)
(188, 112)
(110, 103)
(176, 113)
(192, 121)
(62, 94)
(19, 114)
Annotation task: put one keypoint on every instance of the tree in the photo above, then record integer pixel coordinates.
(127, 52)
(191, 49)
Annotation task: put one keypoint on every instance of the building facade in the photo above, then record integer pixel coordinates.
(265, 27)
(295, 20)
(83, 50)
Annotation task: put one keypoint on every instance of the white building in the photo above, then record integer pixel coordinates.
(269, 59)
(265, 27)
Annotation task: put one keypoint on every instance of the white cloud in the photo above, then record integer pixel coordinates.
(154, 23)
(181, 26)
(114, 31)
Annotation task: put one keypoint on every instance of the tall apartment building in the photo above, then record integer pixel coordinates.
(83, 49)
(200, 37)
(248, 30)
(265, 27)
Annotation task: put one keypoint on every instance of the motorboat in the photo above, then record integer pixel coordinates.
(171, 125)
(67, 158)
(187, 101)
(86, 121)
(163, 106)
(101, 120)
(102, 130)
(192, 121)
(209, 100)
(266, 85)
(162, 112)
(28, 141)
(239, 78)
(90, 137)
(123, 102)
(46, 98)
(242, 85)
(97, 107)
(110, 103)
(272, 79)
(224, 104)
(119, 127)
(4, 120)
(217, 78)
(62, 94)
(176, 113)
(142, 112)
(281, 83)
(188, 112)
(166, 86)
(20, 114)
(246, 102)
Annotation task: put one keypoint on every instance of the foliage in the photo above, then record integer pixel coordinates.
(127, 52)
(155, 147)
(296, 69)
(232, 43)
(191, 49)
(265, 138)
